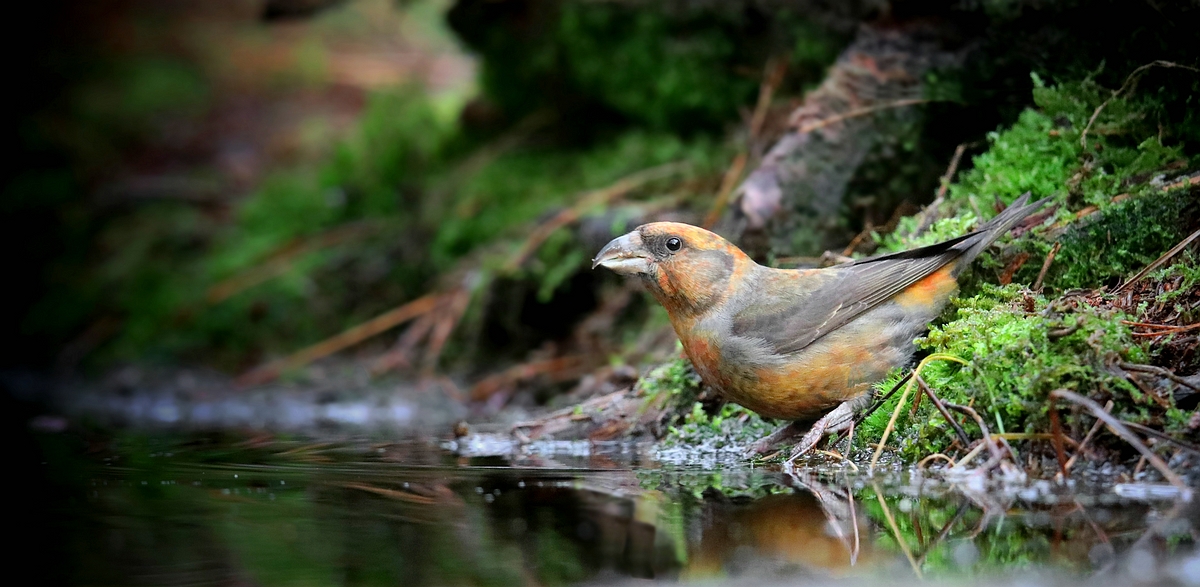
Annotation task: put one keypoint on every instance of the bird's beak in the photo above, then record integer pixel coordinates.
(624, 254)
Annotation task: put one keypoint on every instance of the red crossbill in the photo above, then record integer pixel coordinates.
(797, 344)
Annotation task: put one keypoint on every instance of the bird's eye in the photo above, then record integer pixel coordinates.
(674, 244)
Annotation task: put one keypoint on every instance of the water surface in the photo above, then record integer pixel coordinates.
(225, 510)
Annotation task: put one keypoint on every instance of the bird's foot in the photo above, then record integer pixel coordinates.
(841, 418)
(768, 443)
(814, 435)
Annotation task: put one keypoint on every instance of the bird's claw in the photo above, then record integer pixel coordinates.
(767, 444)
(810, 440)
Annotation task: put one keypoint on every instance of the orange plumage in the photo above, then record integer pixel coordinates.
(796, 345)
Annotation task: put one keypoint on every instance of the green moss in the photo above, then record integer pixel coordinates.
(676, 378)
(1186, 270)
(676, 386)
(1012, 369)
(732, 426)
(1126, 237)
(1042, 153)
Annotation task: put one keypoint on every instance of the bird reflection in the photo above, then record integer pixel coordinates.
(815, 528)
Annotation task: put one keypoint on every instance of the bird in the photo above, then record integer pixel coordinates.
(800, 345)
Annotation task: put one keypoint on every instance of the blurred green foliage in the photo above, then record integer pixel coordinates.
(667, 66)
(321, 249)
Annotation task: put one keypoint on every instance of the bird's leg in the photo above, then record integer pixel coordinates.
(787, 432)
(832, 423)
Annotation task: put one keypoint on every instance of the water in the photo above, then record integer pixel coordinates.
(227, 510)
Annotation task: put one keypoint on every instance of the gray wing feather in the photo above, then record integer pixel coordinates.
(862, 285)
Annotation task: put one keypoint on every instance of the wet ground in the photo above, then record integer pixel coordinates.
(229, 509)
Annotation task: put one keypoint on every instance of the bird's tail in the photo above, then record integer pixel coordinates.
(993, 229)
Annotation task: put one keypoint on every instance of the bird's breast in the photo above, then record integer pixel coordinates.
(704, 350)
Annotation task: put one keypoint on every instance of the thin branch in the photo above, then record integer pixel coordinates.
(1168, 331)
(347, 338)
(1163, 436)
(282, 259)
(859, 112)
(904, 396)
(493, 383)
(1122, 431)
(587, 201)
(943, 185)
(1160, 372)
(875, 406)
(937, 403)
(1159, 262)
(887, 513)
(1129, 82)
(958, 514)
(1088, 437)
(1037, 284)
(774, 71)
(728, 182)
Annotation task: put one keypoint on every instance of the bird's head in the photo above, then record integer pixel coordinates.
(687, 268)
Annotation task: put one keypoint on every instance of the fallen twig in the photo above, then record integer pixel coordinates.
(958, 514)
(1163, 436)
(887, 513)
(1159, 261)
(1037, 284)
(930, 211)
(493, 383)
(347, 338)
(448, 318)
(390, 493)
(1160, 372)
(278, 262)
(1108, 406)
(400, 354)
(728, 181)
(857, 112)
(773, 74)
(904, 396)
(1129, 81)
(875, 406)
(936, 455)
(937, 403)
(987, 437)
(1122, 431)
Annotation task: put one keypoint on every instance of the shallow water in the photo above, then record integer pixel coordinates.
(220, 510)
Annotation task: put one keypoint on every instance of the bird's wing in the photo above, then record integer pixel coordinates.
(847, 292)
(790, 324)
